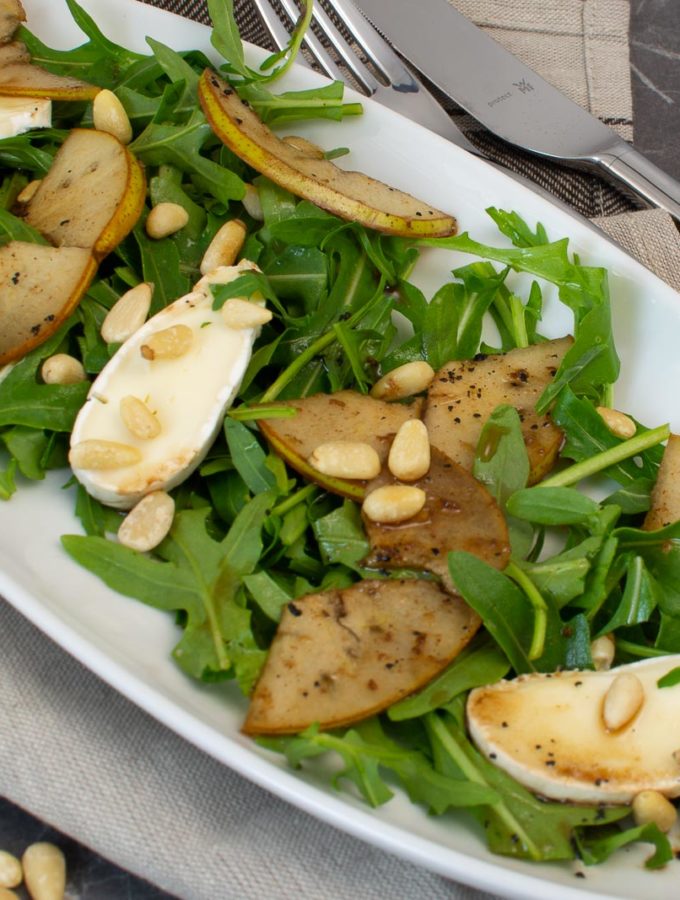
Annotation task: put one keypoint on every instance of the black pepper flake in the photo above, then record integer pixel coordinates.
(580, 874)
(294, 610)
(35, 329)
(435, 551)
(238, 120)
(578, 683)
(457, 420)
(64, 221)
(504, 724)
(493, 756)
(550, 762)
(16, 277)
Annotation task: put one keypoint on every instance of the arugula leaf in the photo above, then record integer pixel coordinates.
(595, 848)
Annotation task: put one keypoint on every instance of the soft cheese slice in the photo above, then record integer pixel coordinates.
(20, 114)
(547, 731)
(188, 395)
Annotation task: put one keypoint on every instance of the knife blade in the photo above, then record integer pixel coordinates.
(510, 99)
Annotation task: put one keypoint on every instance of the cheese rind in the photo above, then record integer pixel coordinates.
(547, 731)
(188, 395)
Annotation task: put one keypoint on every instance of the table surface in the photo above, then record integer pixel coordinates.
(655, 65)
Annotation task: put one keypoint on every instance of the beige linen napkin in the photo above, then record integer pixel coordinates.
(86, 760)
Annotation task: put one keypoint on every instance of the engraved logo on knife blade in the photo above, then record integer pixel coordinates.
(523, 86)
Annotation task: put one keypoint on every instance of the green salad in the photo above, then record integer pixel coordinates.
(251, 535)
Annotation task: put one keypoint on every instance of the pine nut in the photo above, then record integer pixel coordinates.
(138, 418)
(224, 247)
(169, 343)
(147, 523)
(602, 651)
(346, 459)
(127, 314)
(303, 146)
(251, 203)
(241, 314)
(11, 873)
(651, 806)
(165, 219)
(409, 457)
(623, 701)
(404, 381)
(44, 871)
(394, 503)
(109, 115)
(617, 422)
(96, 454)
(28, 193)
(62, 369)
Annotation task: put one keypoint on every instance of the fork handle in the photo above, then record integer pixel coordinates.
(641, 176)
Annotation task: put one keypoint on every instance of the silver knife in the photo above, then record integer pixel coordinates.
(510, 99)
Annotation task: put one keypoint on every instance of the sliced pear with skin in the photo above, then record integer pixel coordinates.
(464, 393)
(12, 14)
(459, 514)
(24, 79)
(14, 52)
(92, 195)
(349, 195)
(39, 288)
(344, 415)
(340, 656)
(548, 732)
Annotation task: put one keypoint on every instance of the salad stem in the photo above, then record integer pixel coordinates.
(607, 458)
(538, 604)
(294, 500)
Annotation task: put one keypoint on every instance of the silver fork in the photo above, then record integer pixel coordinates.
(402, 91)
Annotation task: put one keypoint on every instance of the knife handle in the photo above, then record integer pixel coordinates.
(646, 180)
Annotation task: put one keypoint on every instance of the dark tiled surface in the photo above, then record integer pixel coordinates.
(655, 60)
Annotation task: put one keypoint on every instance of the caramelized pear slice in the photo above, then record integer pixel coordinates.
(342, 655)
(665, 508)
(92, 196)
(463, 394)
(23, 79)
(39, 288)
(12, 14)
(345, 415)
(14, 52)
(459, 514)
(349, 195)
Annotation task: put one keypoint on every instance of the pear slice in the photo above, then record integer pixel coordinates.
(12, 14)
(339, 656)
(464, 393)
(344, 415)
(349, 195)
(459, 514)
(39, 288)
(548, 731)
(92, 196)
(14, 52)
(23, 79)
(665, 508)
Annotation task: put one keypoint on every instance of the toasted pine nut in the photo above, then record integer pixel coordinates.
(109, 115)
(651, 806)
(225, 246)
(240, 314)
(617, 422)
(251, 203)
(404, 381)
(303, 146)
(127, 314)
(165, 219)
(27, 194)
(409, 457)
(44, 871)
(602, 650)
(148, 522)
(346, 459)
(168, 343)
(62, 369)
(138, 418)
(394, 503)
(11, 873)
(623, 701)
(96, 454)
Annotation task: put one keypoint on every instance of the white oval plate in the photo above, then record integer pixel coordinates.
(128, 644)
